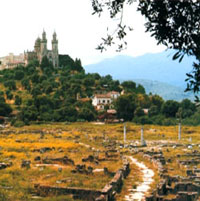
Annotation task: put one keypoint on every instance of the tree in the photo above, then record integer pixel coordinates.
(68, 113)
(125, 106)
(157, 101)
(187, 108)
(174, 24)
(153, 110)
(139, 112)
(129, 86)
(9, 95)
(5, 109)
(35, 78)
(2, 99)
(19, 75)
(36, 91)
(45, 63)
(10, 84)
(18, 100)
(26, 84)
(65, 60)
(143, 100)
(170, 108)
(28, 113)
(86, 114)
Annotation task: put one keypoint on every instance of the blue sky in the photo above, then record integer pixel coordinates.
(22, 21)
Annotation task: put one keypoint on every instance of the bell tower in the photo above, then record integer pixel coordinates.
(55, 50)
(37, 47)
(43, 45)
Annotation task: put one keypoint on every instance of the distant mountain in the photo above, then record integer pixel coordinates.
(158, 73)
(167, 91)
(158, 67)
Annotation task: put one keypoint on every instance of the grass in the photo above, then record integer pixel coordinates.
(63, 140)
(77, 141)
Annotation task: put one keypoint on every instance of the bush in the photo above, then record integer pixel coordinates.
(2, 120)
(86, 114)
(143, 120)
(5, 109)
(18, 123)
(18, 100)
(158, 119)
(10, 84)
(194, 120)
(169, 122)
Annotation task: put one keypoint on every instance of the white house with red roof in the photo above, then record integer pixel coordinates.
(100, 100)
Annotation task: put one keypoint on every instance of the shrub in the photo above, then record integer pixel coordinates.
(143, 120)
(18, 123)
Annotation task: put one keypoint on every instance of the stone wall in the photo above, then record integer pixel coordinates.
(85, 194)
(183, 189)
(106, 194)
(115, 184)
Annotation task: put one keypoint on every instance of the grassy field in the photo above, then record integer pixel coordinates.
(78, 141)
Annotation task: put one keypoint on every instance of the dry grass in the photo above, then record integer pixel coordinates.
(77, 141)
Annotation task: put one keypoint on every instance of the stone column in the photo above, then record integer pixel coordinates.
(124, 133)
(142, 136)
(179, 131)
(143, 143)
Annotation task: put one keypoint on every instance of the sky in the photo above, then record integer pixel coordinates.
(78, 31)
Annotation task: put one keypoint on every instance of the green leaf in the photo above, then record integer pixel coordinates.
(176, 56)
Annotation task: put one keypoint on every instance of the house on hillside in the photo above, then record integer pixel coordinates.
(11, 61)
(99, 101)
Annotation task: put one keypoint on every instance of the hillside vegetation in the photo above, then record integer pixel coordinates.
(39, 93)
(153, 71)
(166, 91)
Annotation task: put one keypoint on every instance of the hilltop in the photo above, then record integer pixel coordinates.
(39, 92)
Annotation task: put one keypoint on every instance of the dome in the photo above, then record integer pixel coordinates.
(37, 42)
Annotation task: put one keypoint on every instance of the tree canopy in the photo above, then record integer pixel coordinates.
(175, 24)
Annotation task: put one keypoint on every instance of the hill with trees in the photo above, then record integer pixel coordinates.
(152, 66)
(39, 93)
(157, 72)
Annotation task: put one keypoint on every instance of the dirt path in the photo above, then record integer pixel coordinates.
(138, 194)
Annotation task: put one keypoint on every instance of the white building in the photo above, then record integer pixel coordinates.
(11, 61)
(100, 100)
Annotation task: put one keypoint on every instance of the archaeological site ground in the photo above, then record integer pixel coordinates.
(86, 161)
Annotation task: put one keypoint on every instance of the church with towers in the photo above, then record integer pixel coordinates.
(40, 50)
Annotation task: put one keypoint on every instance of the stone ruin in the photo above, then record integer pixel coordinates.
(5, 165)
(82, 169)
(43, 150)
(181, 189)
(91, 159)
(64, 160)
(26, 164)
(107, 193)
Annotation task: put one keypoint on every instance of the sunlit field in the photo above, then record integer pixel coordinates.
(48, 155)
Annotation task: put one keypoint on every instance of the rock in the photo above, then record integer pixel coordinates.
(45, 149)
(90, 169)
(5, 165)
(90, 158)
(37, 158)
(25, 164)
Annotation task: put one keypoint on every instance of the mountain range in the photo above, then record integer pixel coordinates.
(157, 72)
